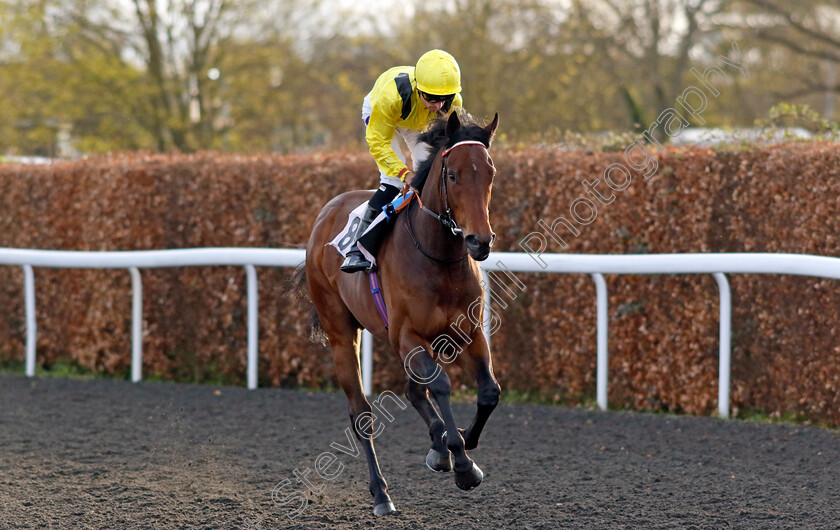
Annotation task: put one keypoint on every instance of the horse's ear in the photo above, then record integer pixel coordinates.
(493, 124)
(453, 124)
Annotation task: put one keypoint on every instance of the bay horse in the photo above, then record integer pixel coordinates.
(429, 277)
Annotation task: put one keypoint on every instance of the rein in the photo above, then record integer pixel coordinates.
(420, 247)
(446, 218)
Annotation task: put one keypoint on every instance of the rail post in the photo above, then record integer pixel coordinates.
(488, 298)
(253, 326)
(31, 322)
(602, 364)
(725, 352)
(136, 325)
(367, 362)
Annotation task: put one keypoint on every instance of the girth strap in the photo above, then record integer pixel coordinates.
(376, 291)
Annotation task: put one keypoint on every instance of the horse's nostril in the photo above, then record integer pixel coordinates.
(472, 241)
(492, 239)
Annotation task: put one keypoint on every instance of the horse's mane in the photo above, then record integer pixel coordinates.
(435, 136)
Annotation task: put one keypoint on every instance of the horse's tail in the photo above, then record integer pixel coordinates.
(296, 285)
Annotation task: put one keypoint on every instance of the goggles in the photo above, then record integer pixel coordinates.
(432, 98)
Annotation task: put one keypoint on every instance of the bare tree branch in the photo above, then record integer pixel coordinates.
(798, 48)
(796, 24)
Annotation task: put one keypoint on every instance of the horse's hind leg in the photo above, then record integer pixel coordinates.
(426, 371)
(347, 369)
(439, 458)
(343, 332)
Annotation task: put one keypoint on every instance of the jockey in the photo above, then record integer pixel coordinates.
(404, 100)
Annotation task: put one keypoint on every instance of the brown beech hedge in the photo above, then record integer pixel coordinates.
(663, 329)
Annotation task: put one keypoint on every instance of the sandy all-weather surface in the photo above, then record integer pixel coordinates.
(112, 454)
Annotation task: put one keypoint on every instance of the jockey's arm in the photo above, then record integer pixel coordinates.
(379, 134)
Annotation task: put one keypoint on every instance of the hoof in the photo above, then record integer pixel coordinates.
(439, 462)
(385, 508)
(469, 479)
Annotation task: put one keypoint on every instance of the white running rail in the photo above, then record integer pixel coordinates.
(595, 265)
(149, 259)
(716, 264)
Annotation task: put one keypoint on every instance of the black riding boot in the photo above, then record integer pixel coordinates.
(355, 260)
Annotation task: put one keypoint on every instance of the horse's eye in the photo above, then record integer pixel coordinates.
(452, 176)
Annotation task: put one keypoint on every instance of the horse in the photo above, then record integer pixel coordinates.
(429, 277)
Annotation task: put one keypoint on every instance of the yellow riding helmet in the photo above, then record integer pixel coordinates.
(437, 73)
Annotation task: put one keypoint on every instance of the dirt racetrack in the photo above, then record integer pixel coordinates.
(112, 454)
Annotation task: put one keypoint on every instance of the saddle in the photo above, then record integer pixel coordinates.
(371, 240)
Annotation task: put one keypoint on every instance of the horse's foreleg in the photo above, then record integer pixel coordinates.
(477, 361)
(439, 459)
(361, 419)
(424, 370)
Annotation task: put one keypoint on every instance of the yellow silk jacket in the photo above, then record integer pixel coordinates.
(394, 102)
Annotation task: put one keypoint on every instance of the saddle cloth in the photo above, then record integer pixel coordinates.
(344, 240)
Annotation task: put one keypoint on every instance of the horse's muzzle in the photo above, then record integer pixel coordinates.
(478, 248)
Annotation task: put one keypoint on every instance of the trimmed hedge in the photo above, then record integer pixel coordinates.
(663, 329)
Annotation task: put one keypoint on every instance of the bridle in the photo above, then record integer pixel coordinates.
(446, 218)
